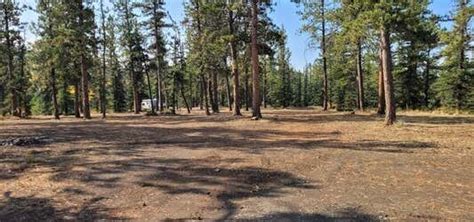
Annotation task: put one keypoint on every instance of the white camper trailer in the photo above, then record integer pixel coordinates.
(146, 104)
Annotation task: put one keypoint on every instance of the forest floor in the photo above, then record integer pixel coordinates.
(293, 165)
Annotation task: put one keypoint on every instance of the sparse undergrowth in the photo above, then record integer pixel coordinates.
(291, 165)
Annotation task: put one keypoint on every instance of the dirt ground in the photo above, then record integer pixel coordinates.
(294, 165)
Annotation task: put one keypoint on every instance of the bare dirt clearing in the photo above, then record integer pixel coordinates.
(293, 165)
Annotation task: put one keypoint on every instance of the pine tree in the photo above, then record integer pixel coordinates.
(155, 13)
(45, 50)
(82, 30)
(132, 39)
(103, 91)
(454, 86)
(116, 72)
(256, 113)
(10, 14)
(284, 72)
(231, 22)
(315, 13)
(196, 41)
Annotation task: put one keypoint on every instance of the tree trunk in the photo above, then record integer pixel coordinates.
(246, 92)
(381, 87)
(465, 38)
(77, 112)
(305, 88)
(23, 101)
(205, 93)
(85, 89)
(264, 87)
(210, 93)
(191, 92)
(235, 68)
(136, 94)
(325, 69)
(10, 72)
(229, 94)
(2, 94)
(426, 87)
(201, 95)
(150, 94)
(390, 115)
(203, 77)
(360, 77)
(54, 93)
(184, 99)
(103, 97)
(215, 93)
(256, 114)
(173, 94)
(159, 85)
(64, 98)
(84, 74)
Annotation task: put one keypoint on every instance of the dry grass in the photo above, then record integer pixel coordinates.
(293, 165)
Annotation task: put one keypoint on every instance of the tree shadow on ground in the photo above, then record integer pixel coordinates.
(42, 209)
(122, 156)
(201, 177)
(190, 176)
(348, 215)
(286, 116)
(127, 139)
(436, 120)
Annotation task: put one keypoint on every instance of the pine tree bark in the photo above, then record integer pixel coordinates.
(210, 93)
(54, 93)
(184, 98)
(256, 113)
(159, 84)
(426, 79)
(381, 87)
(390, 109)
(191, 92)
(201, 95)
(65, 107)
(77, 112)
(229, 93)
(103, 99)
(235, 67)
(205, 93)
(85, 89)
(247, 91)
(22, 98)
(325, 68)
(360, 77)
(84, 74)
(215, 93)
(149, 91)
(264, 87)
(173, 95)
